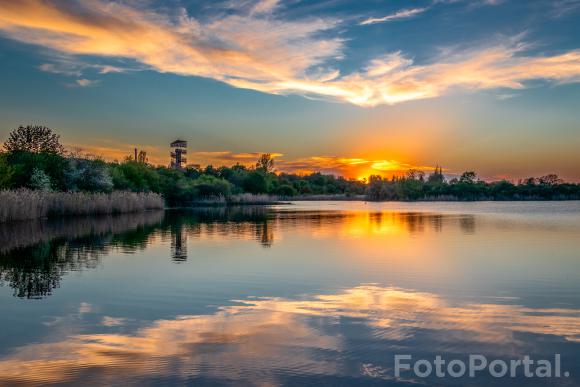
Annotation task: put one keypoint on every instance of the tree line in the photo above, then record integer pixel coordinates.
(34, 158)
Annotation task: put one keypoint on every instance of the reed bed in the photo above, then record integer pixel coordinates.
(23, 204)
(248, 198)
(235, 200)
(329, 197)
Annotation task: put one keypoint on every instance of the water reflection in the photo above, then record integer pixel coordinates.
(34, 256)
(270, 341)
(323, 297)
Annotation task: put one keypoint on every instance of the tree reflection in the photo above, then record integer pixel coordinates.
(74, 244)
(34, 256)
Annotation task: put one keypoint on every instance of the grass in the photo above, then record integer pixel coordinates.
(234, 200)
(24, 204)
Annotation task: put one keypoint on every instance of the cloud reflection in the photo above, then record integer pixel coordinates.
(259, 340)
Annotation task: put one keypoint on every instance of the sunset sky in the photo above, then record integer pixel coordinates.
(346, 87)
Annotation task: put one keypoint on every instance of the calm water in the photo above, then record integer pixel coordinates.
(305, 294)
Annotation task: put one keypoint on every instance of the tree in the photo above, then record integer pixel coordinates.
(265, 163)
(34, 139)
(88, 175)
(436, 177)
(6, 173)
(142, 157)
(415, 174)
(286, 190)
(550, 180)
(40, 180)
(255, 183)
(210, 186)
(469, 177)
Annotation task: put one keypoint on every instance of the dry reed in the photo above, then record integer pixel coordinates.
(23, 204)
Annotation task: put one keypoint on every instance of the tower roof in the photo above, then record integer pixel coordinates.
(179, 143)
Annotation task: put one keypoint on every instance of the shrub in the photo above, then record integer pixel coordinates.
(209, 186)
(89, 175)
(39, 180)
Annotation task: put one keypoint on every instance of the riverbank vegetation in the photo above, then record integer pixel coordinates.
(24, 204)
(58, 182)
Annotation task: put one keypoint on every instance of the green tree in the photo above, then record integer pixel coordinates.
(6, 173)
(89, 175)
(40, 180)
(34, 139)
(23, 164)
(436, 178)
(210, 186)
(255, 183)
(135, 176)
(286, 190)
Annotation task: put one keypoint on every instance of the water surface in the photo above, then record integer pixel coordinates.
(307, 294)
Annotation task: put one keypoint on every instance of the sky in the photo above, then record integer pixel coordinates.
(338, 86)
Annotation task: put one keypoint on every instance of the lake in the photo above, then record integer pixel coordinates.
(311, 293)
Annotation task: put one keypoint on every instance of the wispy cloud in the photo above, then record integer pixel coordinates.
(85, 82)
(265, 6)
(402, 14)
(219, 158)
(256, 49)
(562, 8)
(71, 66)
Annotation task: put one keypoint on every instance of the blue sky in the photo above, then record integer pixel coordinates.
(337, 86)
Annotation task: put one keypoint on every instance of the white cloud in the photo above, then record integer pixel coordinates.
(85, 82)
(109, 321)
(265, 6)
(257, 50)
(402, 14)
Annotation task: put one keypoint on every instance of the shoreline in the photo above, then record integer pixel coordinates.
(24, 204)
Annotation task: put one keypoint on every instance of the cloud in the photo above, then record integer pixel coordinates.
(85, 82)
(113, 150)
(348, 167)
(396, 78)
(74, 67)
(85, 307)
(412, 12)
(402, 14)
(109, 321)
(265, 6)
(64, 68)
(562, 8)
(255, 49)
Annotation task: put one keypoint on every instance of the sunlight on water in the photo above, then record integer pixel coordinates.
(315, 293)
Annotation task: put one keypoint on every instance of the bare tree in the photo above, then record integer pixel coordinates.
(265, 163)
(34, 138)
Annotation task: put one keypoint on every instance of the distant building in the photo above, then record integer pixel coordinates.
(178, 159)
